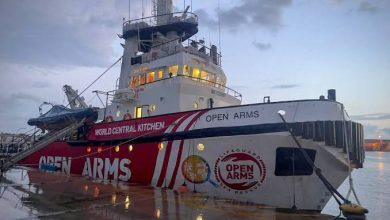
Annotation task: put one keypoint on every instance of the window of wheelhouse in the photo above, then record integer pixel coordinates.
(150, 77)
(138, 112)
(212, 79)
(134, 81)
(195, 73)
(204, 75)
(186, 70)
(172, 70)
(142, 79)
(160, 74)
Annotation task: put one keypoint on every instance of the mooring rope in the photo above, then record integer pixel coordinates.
(347, 143)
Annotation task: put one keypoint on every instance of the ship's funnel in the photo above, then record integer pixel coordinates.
(332, 94)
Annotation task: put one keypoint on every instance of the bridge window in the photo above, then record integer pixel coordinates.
(160, 74)
(290, 161)
(204, 75)
(150, 77)
(218, 81)
(172, 70)
(134, 81)
(195, 73)
(186, 70)
(142, 79)
(212, 78)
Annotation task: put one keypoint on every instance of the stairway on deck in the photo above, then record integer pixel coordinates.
(47, 139)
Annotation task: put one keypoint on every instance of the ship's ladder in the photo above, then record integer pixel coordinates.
(47, 139)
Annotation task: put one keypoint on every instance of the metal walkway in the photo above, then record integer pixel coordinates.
(47, 139)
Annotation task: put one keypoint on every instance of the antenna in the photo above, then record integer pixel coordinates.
(142, 8)
(219, 28)
(184, 4)
(129, 10)
(191, 6)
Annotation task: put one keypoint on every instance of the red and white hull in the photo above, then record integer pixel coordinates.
(233, 152)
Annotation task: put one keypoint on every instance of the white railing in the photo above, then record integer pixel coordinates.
(160, 20)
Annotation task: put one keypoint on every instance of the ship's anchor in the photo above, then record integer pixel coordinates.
(350, 210)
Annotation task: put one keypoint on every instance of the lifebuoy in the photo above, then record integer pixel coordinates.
(109, 119)
(127, 116)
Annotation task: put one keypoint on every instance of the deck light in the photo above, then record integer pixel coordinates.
(161, 146)
(99, 150)
(117, 148)
(282, 112)
(200, 147)
(130, 147)
(89, 149)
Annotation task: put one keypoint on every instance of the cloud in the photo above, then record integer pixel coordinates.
(49, 33)
(370, 130)
(386, 131)
(373, 131)
(250, 13)
(371, 117)
(40, 84)
(285, 86)
(262, 46)
(238, 87)
(367, 7)
(20, 97)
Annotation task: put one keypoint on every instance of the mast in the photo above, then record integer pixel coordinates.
(164, 9)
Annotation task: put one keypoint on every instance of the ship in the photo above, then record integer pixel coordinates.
(172, 122)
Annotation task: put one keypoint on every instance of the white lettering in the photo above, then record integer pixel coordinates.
(66, 163)
(98, 164)
(42, 160)
(57, 161)
(124, 169)
(111, 169)
(87, 168)
(127, 129)
(50, 160)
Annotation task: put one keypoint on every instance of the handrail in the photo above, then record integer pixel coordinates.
(152, 20)
(226, 89)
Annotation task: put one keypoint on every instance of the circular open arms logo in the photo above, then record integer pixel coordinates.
(240, 170)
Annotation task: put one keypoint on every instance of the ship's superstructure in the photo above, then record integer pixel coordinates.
(172, 122)
(163, 71)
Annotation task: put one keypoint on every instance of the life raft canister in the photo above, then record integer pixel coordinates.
(127, 116)
(109, 118)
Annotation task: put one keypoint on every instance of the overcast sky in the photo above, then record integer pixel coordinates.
(281, 48)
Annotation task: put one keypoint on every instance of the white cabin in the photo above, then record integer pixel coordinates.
(163, 71)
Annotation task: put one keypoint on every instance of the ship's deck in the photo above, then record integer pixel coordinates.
(33, 194)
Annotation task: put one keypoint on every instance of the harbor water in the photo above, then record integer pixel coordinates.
(372, 185)
(38, 195)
